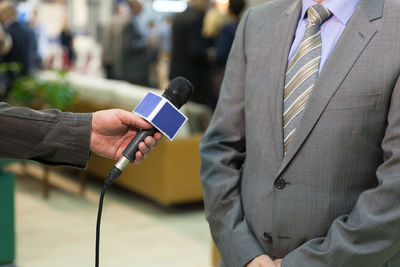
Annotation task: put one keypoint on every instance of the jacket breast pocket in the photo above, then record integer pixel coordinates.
(353, 101)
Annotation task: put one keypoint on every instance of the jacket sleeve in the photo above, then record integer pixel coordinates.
(49, 136)
(223, 153)
(369, 235)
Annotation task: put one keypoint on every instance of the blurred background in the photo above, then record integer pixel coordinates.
(88, 55)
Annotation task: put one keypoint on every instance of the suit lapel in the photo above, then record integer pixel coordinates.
(353, 41)
(283, 37)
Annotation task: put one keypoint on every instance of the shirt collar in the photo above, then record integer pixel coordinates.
(342, 9)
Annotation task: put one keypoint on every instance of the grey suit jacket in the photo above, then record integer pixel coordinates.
(334, 199)
(49, 136)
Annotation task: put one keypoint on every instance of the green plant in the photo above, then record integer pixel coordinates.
(35, 92)
(11, 66)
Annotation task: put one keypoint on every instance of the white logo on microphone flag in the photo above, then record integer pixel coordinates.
(161, 113)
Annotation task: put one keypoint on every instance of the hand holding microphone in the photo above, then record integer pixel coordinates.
(115, 130)
(112, 130)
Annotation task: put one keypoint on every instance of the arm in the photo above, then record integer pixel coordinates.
(223, 153)
(54, 137)
(369, 235)
(50, 136)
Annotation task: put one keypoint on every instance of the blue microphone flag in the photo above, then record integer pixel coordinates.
(161, 113)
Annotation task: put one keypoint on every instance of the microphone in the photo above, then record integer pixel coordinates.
(177, 92)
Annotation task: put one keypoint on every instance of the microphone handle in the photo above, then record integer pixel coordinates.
(133, 147)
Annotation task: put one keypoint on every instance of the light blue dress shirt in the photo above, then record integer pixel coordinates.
(331, 30)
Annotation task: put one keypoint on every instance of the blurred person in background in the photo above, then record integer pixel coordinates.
(107, 44)
(67, 44)
(164, 55)
(17, 45)
(190, 49)
(214, 20)
(41, 37)
(127, 47)
(225, 38)
(153, 44)
(222, 46)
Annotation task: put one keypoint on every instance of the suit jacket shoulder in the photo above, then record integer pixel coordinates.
(270, 10)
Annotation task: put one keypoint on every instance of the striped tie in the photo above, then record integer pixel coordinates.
(302, 71)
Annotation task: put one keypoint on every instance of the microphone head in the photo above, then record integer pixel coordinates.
(178, 91)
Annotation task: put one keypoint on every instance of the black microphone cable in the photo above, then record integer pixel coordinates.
(178, 93)
(103, 192)
(112, 175)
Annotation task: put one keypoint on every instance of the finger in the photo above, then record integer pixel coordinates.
(151, 142)
(158, 136)
(132, 119)
(144, 148)
(138, 157)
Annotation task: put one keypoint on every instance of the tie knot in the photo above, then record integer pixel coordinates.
(318, 14)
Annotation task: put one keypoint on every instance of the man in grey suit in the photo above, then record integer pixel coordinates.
(324, 191)
(63, 138)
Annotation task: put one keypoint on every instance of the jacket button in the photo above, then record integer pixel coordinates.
(267, 237)
(280, 183)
